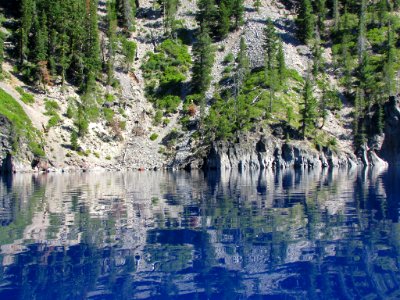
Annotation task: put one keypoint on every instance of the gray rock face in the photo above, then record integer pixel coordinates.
(390, 149)
(269, 152)
(10, 162)
(6, 133)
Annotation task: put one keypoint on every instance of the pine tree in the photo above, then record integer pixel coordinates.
(111, 34)
(126, 12)
(41, 39)
(243, 66)
(92, 45)
(238, 12)
(317, 55)
(27, 16)
(203, 55)
(359, 126)
(321, 12)
(382, 9)
(281, 63)
(271, 42)
(361, 43)
(257, 5)
(74, 141)
(306, 21)
(309, 110)
(170, 7)
(2, 38)
(347, 64)
(129, 51)
(389, 66)
(223, 20)
(206, 14)
(336, 15)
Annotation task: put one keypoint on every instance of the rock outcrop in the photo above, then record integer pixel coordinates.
(390, 146)
(6, 134)
(13, 161)
(262, 152)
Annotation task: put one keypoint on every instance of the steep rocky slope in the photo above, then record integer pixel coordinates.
(133, 148)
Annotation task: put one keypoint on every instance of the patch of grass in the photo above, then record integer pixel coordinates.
(23, 127)
(52, 107)
(108, 114)
(25, 97)
(154, 136)
(53, 121)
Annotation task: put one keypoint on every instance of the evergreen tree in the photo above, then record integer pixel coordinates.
(306, 21)
(206, 14)
(92, 45)
(271, 43)
(126, 12)
(281, 63)
(112, 39)
(317, 55)
(336, 15)
(2, 40)
(361, 47)
(223, 20)
(309, 110)
(389, 66)
(359, 127)
(129, 51)
(74, 141)
(27, 17)
(170, 7)
(257, 5)
(243, 66)
(203, 55)
(238, 12)
(347, 64)
(321, 12)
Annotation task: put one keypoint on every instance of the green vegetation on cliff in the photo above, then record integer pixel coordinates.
(23, 128)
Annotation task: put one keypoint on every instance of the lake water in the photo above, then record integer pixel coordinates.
(155, 235)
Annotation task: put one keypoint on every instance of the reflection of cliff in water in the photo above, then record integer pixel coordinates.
(310, 235)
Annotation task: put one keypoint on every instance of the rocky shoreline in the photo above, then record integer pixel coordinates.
(247, 153)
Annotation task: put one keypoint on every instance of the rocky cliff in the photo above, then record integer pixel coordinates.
(6, 133)
(390, 147)
(267, 152)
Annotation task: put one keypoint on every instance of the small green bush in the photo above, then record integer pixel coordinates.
(229, 58)
(158, 117)
(154, 136)
(108, 114)
(53, 121)
(25, 97)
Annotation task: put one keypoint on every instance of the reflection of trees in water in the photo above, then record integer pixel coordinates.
(311, 235)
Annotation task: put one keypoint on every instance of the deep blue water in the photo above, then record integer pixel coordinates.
(285, 235)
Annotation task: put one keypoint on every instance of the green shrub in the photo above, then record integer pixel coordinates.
(23, 127)
(169, 103)
(108, 114)
(229, 58)
(158, 117)
(25, 97)
(51, 105)
(166, 121)
(53, 121)
(154, 136)
(74, 141)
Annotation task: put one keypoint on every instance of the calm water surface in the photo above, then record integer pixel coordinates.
(288, 235)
